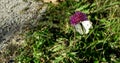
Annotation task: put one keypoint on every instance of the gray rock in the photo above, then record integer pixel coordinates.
(17, 14)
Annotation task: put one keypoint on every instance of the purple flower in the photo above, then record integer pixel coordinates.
(78, 17)
(81, 23)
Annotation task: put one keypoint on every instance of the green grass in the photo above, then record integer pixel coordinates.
(55, 40)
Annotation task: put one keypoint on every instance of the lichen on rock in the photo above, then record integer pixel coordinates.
(16, 15)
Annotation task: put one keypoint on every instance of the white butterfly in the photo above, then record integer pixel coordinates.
(83, 27)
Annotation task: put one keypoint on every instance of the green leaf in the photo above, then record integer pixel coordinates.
(58, 59)
(96, 61)
(57, 48)
(82, 7)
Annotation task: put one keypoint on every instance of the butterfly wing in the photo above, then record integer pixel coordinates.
(78, 28)
(86, 25)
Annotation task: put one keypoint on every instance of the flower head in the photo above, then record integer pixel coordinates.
(77, 18)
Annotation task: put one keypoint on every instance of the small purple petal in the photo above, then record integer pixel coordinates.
(77, 18)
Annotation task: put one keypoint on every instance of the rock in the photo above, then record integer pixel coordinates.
(15, 15)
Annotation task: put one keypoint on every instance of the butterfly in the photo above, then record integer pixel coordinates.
(83, 27)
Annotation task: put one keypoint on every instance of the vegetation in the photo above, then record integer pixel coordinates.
(56, 41)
